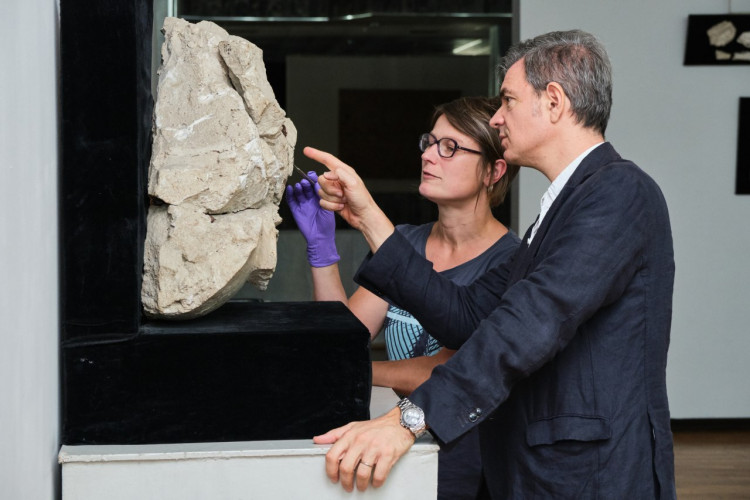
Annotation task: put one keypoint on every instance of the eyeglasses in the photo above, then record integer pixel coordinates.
(446, 147)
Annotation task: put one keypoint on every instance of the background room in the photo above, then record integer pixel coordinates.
(678, 122)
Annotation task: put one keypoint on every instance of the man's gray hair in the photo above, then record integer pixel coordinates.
(578, 62)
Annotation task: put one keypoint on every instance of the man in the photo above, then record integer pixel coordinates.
(562, 360)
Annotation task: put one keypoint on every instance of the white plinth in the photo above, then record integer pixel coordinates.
(257, 470)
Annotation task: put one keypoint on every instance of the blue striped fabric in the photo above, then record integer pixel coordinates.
(404, 336)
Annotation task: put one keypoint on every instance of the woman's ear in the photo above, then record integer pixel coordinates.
(498, 171)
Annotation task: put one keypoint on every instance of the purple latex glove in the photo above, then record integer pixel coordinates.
(316, 224)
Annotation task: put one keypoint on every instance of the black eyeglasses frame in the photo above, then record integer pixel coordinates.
(425, 138)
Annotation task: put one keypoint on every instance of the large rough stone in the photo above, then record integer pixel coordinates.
(222, 151)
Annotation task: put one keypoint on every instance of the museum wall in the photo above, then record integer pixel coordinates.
(679, 123)
(28, 250)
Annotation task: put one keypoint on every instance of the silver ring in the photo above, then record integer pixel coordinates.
(365, 464)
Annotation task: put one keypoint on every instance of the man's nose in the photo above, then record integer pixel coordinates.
(497, 119)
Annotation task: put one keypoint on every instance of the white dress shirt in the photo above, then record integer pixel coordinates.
(554, 189)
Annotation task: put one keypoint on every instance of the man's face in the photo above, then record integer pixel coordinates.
(519, 121)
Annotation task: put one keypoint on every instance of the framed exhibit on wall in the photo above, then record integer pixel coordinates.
(718, 40)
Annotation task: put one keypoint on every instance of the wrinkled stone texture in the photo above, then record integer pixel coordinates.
(222, 151)
(721, 34)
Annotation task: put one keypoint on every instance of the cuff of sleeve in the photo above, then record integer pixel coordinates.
(322, 259)
(443, 414)
(324, 263)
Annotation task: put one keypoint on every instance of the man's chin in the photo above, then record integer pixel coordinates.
(511, 158)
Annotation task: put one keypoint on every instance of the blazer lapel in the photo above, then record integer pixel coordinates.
(600, 156)
(522, 258)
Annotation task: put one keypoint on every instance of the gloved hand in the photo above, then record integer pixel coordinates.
(316, 224)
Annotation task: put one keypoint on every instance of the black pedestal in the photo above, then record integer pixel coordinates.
(256, 371)
(247, 371)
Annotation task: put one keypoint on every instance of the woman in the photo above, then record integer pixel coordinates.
(464, 174)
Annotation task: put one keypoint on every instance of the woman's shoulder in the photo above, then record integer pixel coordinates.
(509, 239)
(497, 254)
(416, 235)
(503, 248)
(409, 229)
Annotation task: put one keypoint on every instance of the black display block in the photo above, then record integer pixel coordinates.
(247, 371)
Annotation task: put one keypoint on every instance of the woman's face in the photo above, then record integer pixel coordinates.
(451, 180)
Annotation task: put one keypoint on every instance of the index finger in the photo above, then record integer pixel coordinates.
(333, 435)
(336, 452)
(327, 159)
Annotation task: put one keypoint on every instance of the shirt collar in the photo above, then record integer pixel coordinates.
(554, 189)
(562, 179)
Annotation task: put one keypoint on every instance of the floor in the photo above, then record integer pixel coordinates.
(712, 463)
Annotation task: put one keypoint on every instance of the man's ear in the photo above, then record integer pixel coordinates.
(557, 101)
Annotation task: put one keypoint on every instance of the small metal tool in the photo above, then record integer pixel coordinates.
(303, 174)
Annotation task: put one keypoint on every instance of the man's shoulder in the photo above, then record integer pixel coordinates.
(606, 169)
(627, 177)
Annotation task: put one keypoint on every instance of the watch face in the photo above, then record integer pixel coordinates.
(412, 417)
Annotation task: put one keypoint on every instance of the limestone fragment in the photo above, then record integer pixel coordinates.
(720, 34)
(222, 151)
(204, 259)
(722, 55)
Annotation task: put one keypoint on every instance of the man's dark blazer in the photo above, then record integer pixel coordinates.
(563, 352)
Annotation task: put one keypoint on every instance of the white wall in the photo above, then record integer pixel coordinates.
(679, 123)
(28, 250)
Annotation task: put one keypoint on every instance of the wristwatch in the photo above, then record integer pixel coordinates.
(412, 417)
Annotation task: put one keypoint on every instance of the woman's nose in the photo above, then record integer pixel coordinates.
(430, 153)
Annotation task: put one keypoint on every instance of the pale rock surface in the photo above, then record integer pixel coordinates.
(721, 34)
(222, 151)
